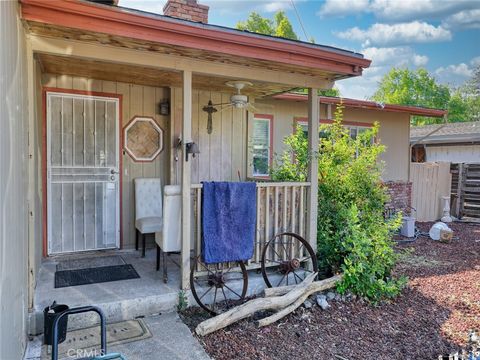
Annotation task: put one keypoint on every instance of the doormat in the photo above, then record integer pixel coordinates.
(90, 262)
(94, 275)
(87, 341)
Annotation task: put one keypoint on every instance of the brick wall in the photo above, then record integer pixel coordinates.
(400, 195)
(187, 10)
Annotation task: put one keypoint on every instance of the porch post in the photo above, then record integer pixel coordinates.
(312, 200)
(186, 179)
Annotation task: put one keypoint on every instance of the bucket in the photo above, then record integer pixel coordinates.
(436, 229)
(50, 313)
(408, 227)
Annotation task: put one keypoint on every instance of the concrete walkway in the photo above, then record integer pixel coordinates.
(171, 340)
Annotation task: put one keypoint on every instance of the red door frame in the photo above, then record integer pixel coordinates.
(45, 90)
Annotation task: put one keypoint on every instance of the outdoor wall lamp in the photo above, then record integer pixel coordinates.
(191, 148)
(164, 107)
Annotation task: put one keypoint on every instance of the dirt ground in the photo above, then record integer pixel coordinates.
(432, 317)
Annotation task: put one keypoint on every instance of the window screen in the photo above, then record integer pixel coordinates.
(261, 147)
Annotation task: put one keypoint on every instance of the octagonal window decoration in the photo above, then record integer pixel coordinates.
(143, 138)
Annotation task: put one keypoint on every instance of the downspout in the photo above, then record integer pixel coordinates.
(445, 122)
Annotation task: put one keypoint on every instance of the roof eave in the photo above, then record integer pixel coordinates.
(450, 139)
(116, 21)
(365, 104)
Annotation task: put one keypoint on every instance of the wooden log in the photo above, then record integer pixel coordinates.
(312, 288)
(316, 286)
(245, 310)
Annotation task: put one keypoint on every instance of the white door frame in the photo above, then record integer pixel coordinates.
(118, 163)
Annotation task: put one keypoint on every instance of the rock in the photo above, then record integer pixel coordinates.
(307, 304)
(330, 295)
(322, 302)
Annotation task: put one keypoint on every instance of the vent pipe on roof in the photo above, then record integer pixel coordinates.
(186, 10)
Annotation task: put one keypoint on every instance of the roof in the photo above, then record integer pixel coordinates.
(460, 132)
(365, 104)
(60, 16)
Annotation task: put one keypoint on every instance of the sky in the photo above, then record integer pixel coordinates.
(442, 36)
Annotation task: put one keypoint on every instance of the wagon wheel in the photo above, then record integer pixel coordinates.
(287, 259)
(216, 288)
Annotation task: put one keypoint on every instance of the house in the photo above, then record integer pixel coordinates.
(452, 142)
(95, 96)
(285, 111)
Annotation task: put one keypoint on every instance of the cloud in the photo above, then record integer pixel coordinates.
(420, 60)
(274, 6)
(475, 61)
(397, 10)
(467, 19)
(220, 6)
(343, 8)
(362, 87)
(397, 34)
(462, 70)
(407, 10)
(394, 56)
(383, 59)
(144, 5)
(456, 74)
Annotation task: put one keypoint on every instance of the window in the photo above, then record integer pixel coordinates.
(354, 129)
(304, 126)
(261, 145)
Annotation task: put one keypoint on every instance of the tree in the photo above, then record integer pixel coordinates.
(333, 92)
(280, 25)
(418, 88)
(353, 236)
(471, 95)
(283, 27)
(413, 87)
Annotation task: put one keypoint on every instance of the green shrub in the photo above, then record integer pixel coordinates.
(353, 237)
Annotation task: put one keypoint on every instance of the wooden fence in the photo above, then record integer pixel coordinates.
(280, 207)
(465, 190)
(430, 182)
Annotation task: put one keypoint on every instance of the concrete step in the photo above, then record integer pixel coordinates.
(114, 311)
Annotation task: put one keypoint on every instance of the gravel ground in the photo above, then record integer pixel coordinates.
(433, 316)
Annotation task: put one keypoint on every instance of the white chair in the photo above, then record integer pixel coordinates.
(168, 239)
(148, 208)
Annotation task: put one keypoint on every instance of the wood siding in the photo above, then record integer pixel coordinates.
(136, 100)
(394, 130)
(223, 153)
(13, 184)
(453, 153)
(430, 181)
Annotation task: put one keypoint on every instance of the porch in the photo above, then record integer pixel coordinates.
(150, 61)
(125, 299)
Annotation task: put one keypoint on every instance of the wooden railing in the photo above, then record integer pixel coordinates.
(280, 207)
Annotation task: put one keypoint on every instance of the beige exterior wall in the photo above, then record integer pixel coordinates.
(136, 100)
(13, 185)
(394, 130)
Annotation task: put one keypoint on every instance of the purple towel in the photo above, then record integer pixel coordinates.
(229, 214)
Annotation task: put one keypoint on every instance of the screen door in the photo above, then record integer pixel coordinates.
(83, 186)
